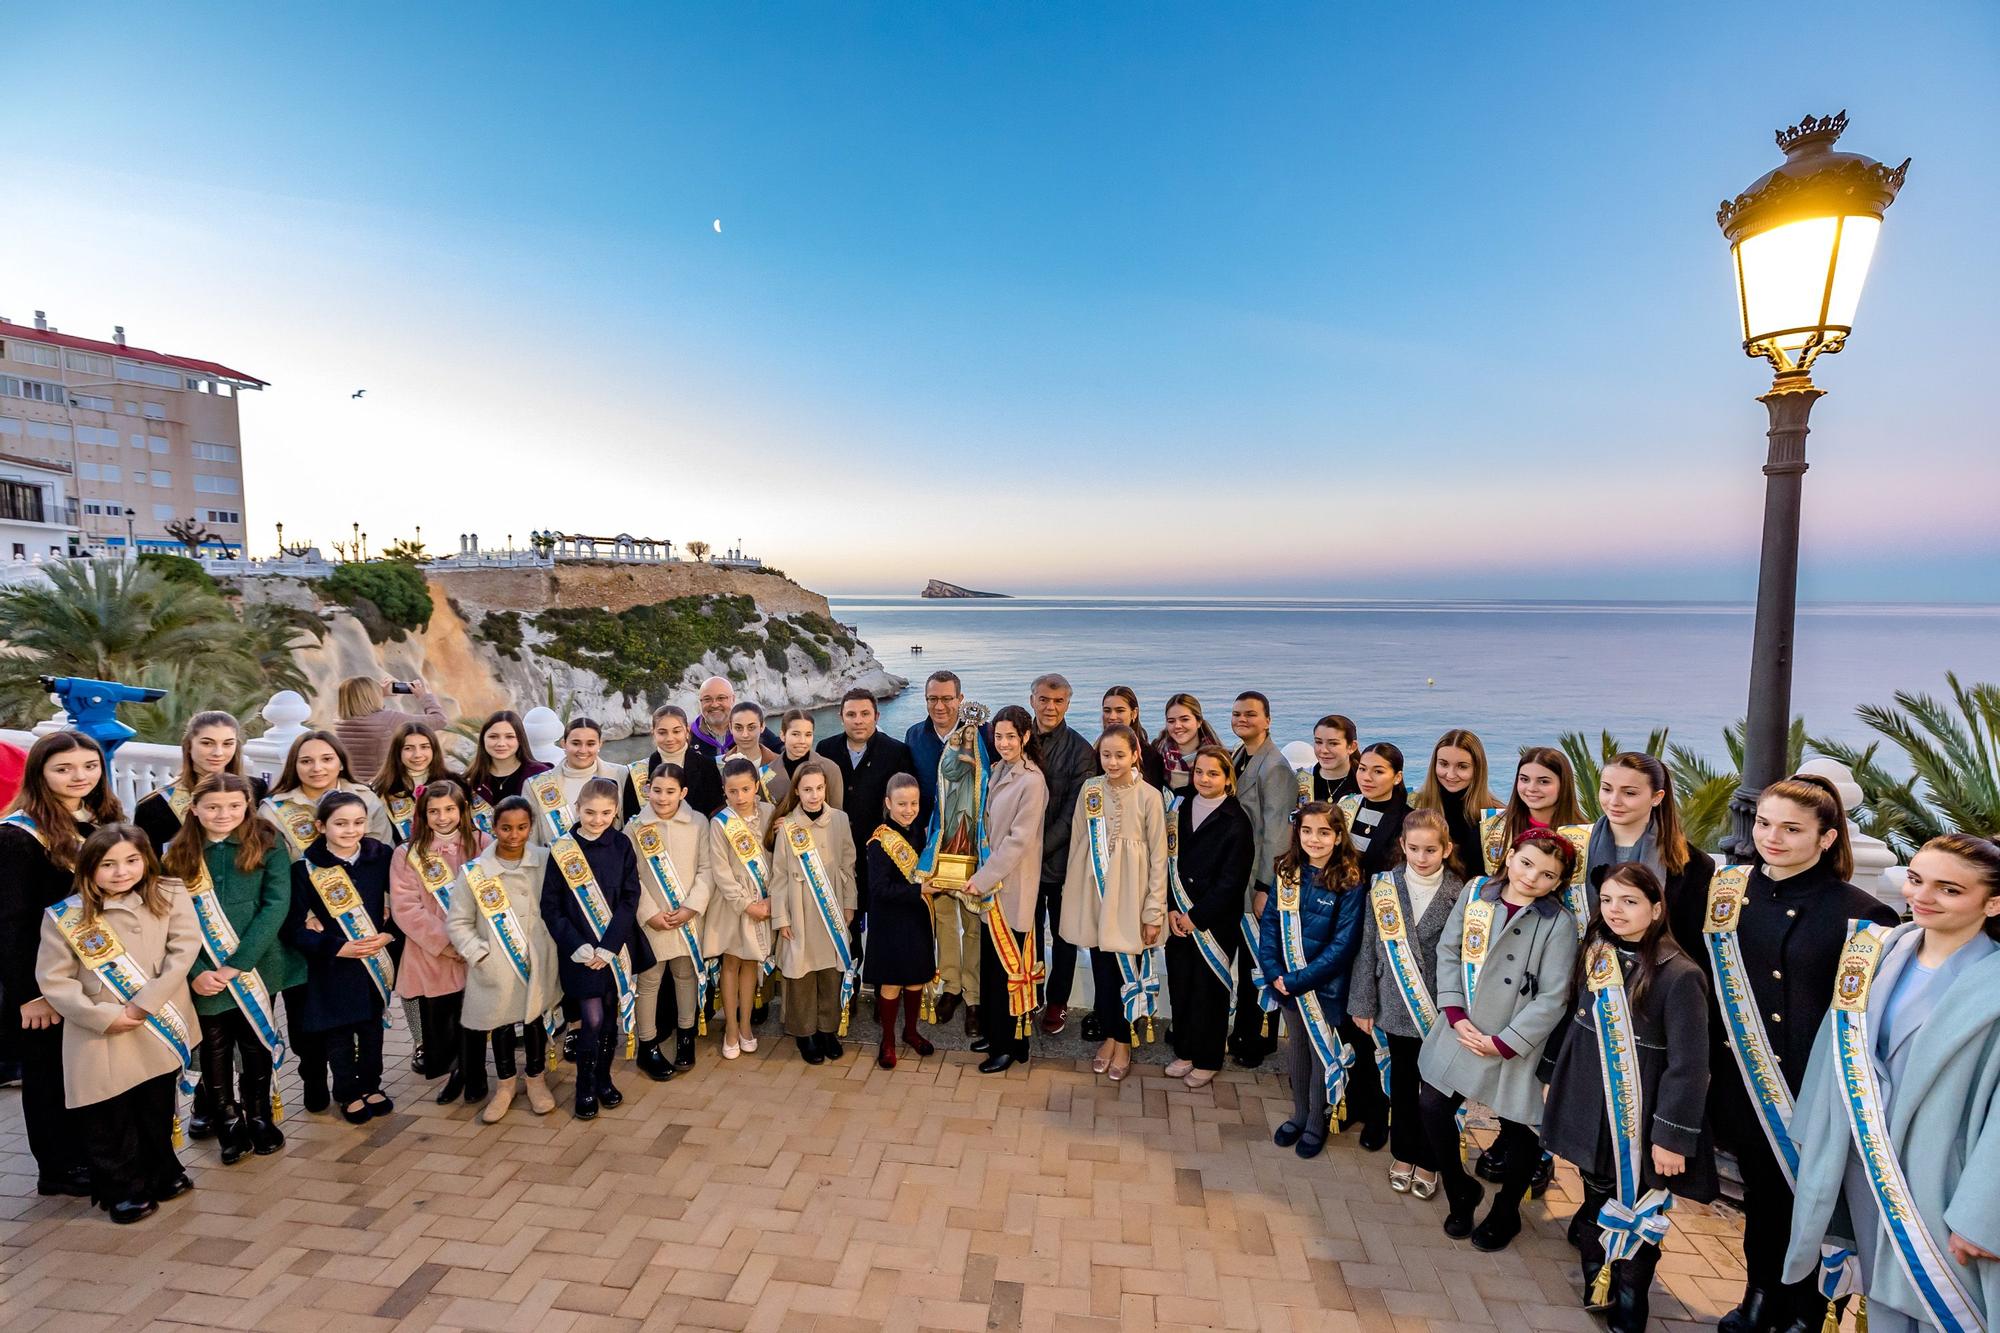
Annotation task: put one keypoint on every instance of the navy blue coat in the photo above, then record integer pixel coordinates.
(615, 864)
(339, 991)
(1332, 924)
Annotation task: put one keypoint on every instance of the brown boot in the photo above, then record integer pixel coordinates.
(972, 1028)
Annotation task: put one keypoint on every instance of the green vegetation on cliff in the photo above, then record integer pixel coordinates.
(388, 597)
(645, 650)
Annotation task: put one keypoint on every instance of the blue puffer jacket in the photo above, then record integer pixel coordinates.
(1332, 925)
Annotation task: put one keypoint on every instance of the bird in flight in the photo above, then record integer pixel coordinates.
(357, 393)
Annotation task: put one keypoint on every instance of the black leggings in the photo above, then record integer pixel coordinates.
(999, 1026)
(1407, 1140)
(308, 1048)
(535, 1040)
(439, 1015)
(224, 1037)
(1108, 979)
(128, 1141)
(1519, 1145)
(1364, 1100)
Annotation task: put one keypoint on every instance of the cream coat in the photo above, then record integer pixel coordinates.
(1135, 869)
(1017, 800)
(725, 927)
(687, 849)
(811, 948)
(98, 1066)
(495, 995)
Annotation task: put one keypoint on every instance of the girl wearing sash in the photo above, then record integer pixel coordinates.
(795, 729)
(671, 838)
(1121, 709)
(902, 944)
(1374, 815)
(431, 971)
(501, 764)
(1209, 879)
(1003, 889)
(1908, 1059)
(1391, 994)
(1544, 796)
(495, 923)
(412, 759)
(1503, 973)
(1455, 785)
(701, 781)
(240, 880)
(1659, 1022)
(1115, 896)
(113, 963)
(1306, 942)
(1336, 749)
(737, 925)
(1641, 824)
(1775, 931)
(583, 739)
(65, 795)
(339, 919)
(746, 742)
(212, 743)
(590, 904)
(1183, 733)
(810, 847)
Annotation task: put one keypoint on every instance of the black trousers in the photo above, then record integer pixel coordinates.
(994, 1021)
(439, 1016)
(1199, 1001)
(1062, 954)
(1520, 1145)
(308, 1048)
(128, 1141)
(1407, 1140)
(1365, 1103)
(227, 1042)
(1108, 981)
(354, 1053)
(536, 1041)
(1255, 1031)
(50, 1136)
(1767, 1222)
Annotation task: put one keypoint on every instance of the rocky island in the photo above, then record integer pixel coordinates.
(939, 588)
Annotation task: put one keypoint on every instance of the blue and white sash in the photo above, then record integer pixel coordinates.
(660, 873)
(402, 814)
(99, 950)
(343, 903)
(482, 815)
(798, 836)
(575, 870)
(435, 875)
(1628, 1218)
(1401, 955)
(297, 822)
(1211, 950)
(1140, 995)
(1335, 1056)
(1576, 893)
(20, 819)
(218, 941)
(489, 894)
(743, 841)
(552, 813)
(1475, 935)
(1924, 1261)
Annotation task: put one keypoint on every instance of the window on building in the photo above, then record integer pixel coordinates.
(111, 471)
(224, 516)
(87, 471)
(131, 409)
(92, 507)
(164, 514)
(35, 354)
(139, 477)
(157, 411)
(48, 430)
(10, 425)
(208, 485)
(138, 441)
(35, 391)
(214, 453)
(97, 435)
(90, 363)
(93, 402)
(138, 372)
(157, 443)
(161, 478)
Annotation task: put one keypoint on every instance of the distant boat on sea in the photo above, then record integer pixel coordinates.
(939, 588)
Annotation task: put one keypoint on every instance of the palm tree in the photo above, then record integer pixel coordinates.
(1955, 786)
(1590, 766)
(1704, 791)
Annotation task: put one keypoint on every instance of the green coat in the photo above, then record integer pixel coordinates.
(255, 901)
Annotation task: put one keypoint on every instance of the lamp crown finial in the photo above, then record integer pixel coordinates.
(1814, 133)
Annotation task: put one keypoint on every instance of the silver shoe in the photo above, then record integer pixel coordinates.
(1424, 1189)
(1399, 1181)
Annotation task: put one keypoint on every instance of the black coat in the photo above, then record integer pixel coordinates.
(495, 790)
(338, 990)
(704, 780)
(1384, 835)
(1214, 864)
(615, 865)
(902, 950)
(1792, 933)
(1068, 761)
(156, 818)
(1670, 1031)
(30, 884)
(1687, 903)
(866, 783)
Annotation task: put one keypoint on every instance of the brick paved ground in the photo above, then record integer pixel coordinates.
(767, 1194)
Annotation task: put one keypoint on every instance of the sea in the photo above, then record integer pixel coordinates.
(1516, 672)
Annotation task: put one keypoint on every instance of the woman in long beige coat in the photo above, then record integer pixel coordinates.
(118, 1074)
(1126, 913)
(807, 954)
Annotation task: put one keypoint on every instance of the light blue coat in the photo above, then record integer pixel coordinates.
(1944, 1122)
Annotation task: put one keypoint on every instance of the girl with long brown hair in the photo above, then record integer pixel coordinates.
(1641, 824)
(413, 757)
(810, 847)
(1456, 785)
(1183, 732)
(212, 742)
(1121, 709)
(431, 971)
(1543, 796)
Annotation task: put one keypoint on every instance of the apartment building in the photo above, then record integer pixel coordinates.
(147, 438)
(37, 515)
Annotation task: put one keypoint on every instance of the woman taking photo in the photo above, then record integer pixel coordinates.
(412, 759)
(65, 796)
(1641, 824)
(1121, 709)
(1915, 1043)
(1209, 847)
(1185, 731)
(1455, 785)
(1005, 885)
(367, 722)
(1771, 949)
(212, 743)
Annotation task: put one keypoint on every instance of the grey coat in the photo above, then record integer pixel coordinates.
(1268, 791)
(1372, 991)
(1523, 994)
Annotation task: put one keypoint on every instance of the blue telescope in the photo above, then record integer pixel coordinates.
(92, 706)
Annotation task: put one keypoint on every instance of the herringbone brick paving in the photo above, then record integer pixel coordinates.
(766, 1194)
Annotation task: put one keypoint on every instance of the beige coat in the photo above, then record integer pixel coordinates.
(96, 1066)
(1135, 869)
(811, 948)
(1017, 798)
(687, 849)
(777, 785)
(725, 926)
(495, 995)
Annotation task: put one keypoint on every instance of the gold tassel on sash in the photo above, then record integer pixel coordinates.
(277, 1104)
(180, 1139)
(844, 1010)
(631, 1043)
(1600, 1292)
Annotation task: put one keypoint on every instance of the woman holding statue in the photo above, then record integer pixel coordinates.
(1004, 888)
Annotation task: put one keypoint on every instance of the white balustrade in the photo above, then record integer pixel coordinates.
(544, 734)
(286, 714)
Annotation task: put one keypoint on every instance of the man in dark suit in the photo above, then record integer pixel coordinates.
(867, 759)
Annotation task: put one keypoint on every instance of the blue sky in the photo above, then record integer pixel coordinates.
(1047, 298)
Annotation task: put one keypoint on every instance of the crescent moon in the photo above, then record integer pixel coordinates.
(718, 226)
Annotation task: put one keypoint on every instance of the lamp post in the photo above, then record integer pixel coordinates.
(1800, 238)
(131, 533)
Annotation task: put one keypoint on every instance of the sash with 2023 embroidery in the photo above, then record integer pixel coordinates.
(98, 949)
(1628, 1218)
(582, 883)
(343, 903)
(219, 941)
(1335, 1056)
(1924, 1261)
(1493, 838)
(489, 894)
(552, 813)
(1205, 943)
(1393, 930)
(1576, 894)
(178, 794)
(743, 841)
(297, 822)
(798, 836)
(1475, 934)
(1140, 994)
(402, 814)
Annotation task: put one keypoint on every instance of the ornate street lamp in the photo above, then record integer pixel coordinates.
(1801, 238)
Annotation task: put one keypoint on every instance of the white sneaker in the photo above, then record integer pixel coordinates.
(730, 1050)
(749, 1042)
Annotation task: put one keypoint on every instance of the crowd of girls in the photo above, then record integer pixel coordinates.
(1607, 992)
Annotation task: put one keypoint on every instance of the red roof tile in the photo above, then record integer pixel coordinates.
(29, 333)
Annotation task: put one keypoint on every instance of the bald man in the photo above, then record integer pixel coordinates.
(717, 700)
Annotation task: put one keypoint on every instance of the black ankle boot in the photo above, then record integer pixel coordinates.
(454, 1085)
(607, 1091)
(684, 1050)
(586, 1084)
(1754, 1314)
(265, 1136)
(809, 1049)
(1631, 1291)
(1501, 1224)
(1458, 1217)
(232, 1134)
(652, 1063)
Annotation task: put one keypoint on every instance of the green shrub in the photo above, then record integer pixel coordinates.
(774, 656)
(502, 629)
(177, 569)
(645, 650)
(825, 629)
(400, 599)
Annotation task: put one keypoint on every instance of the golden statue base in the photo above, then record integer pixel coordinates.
(951, 871)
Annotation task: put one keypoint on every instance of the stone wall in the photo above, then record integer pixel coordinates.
(616, 587)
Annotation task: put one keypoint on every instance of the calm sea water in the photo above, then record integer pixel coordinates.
(1516, 672)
